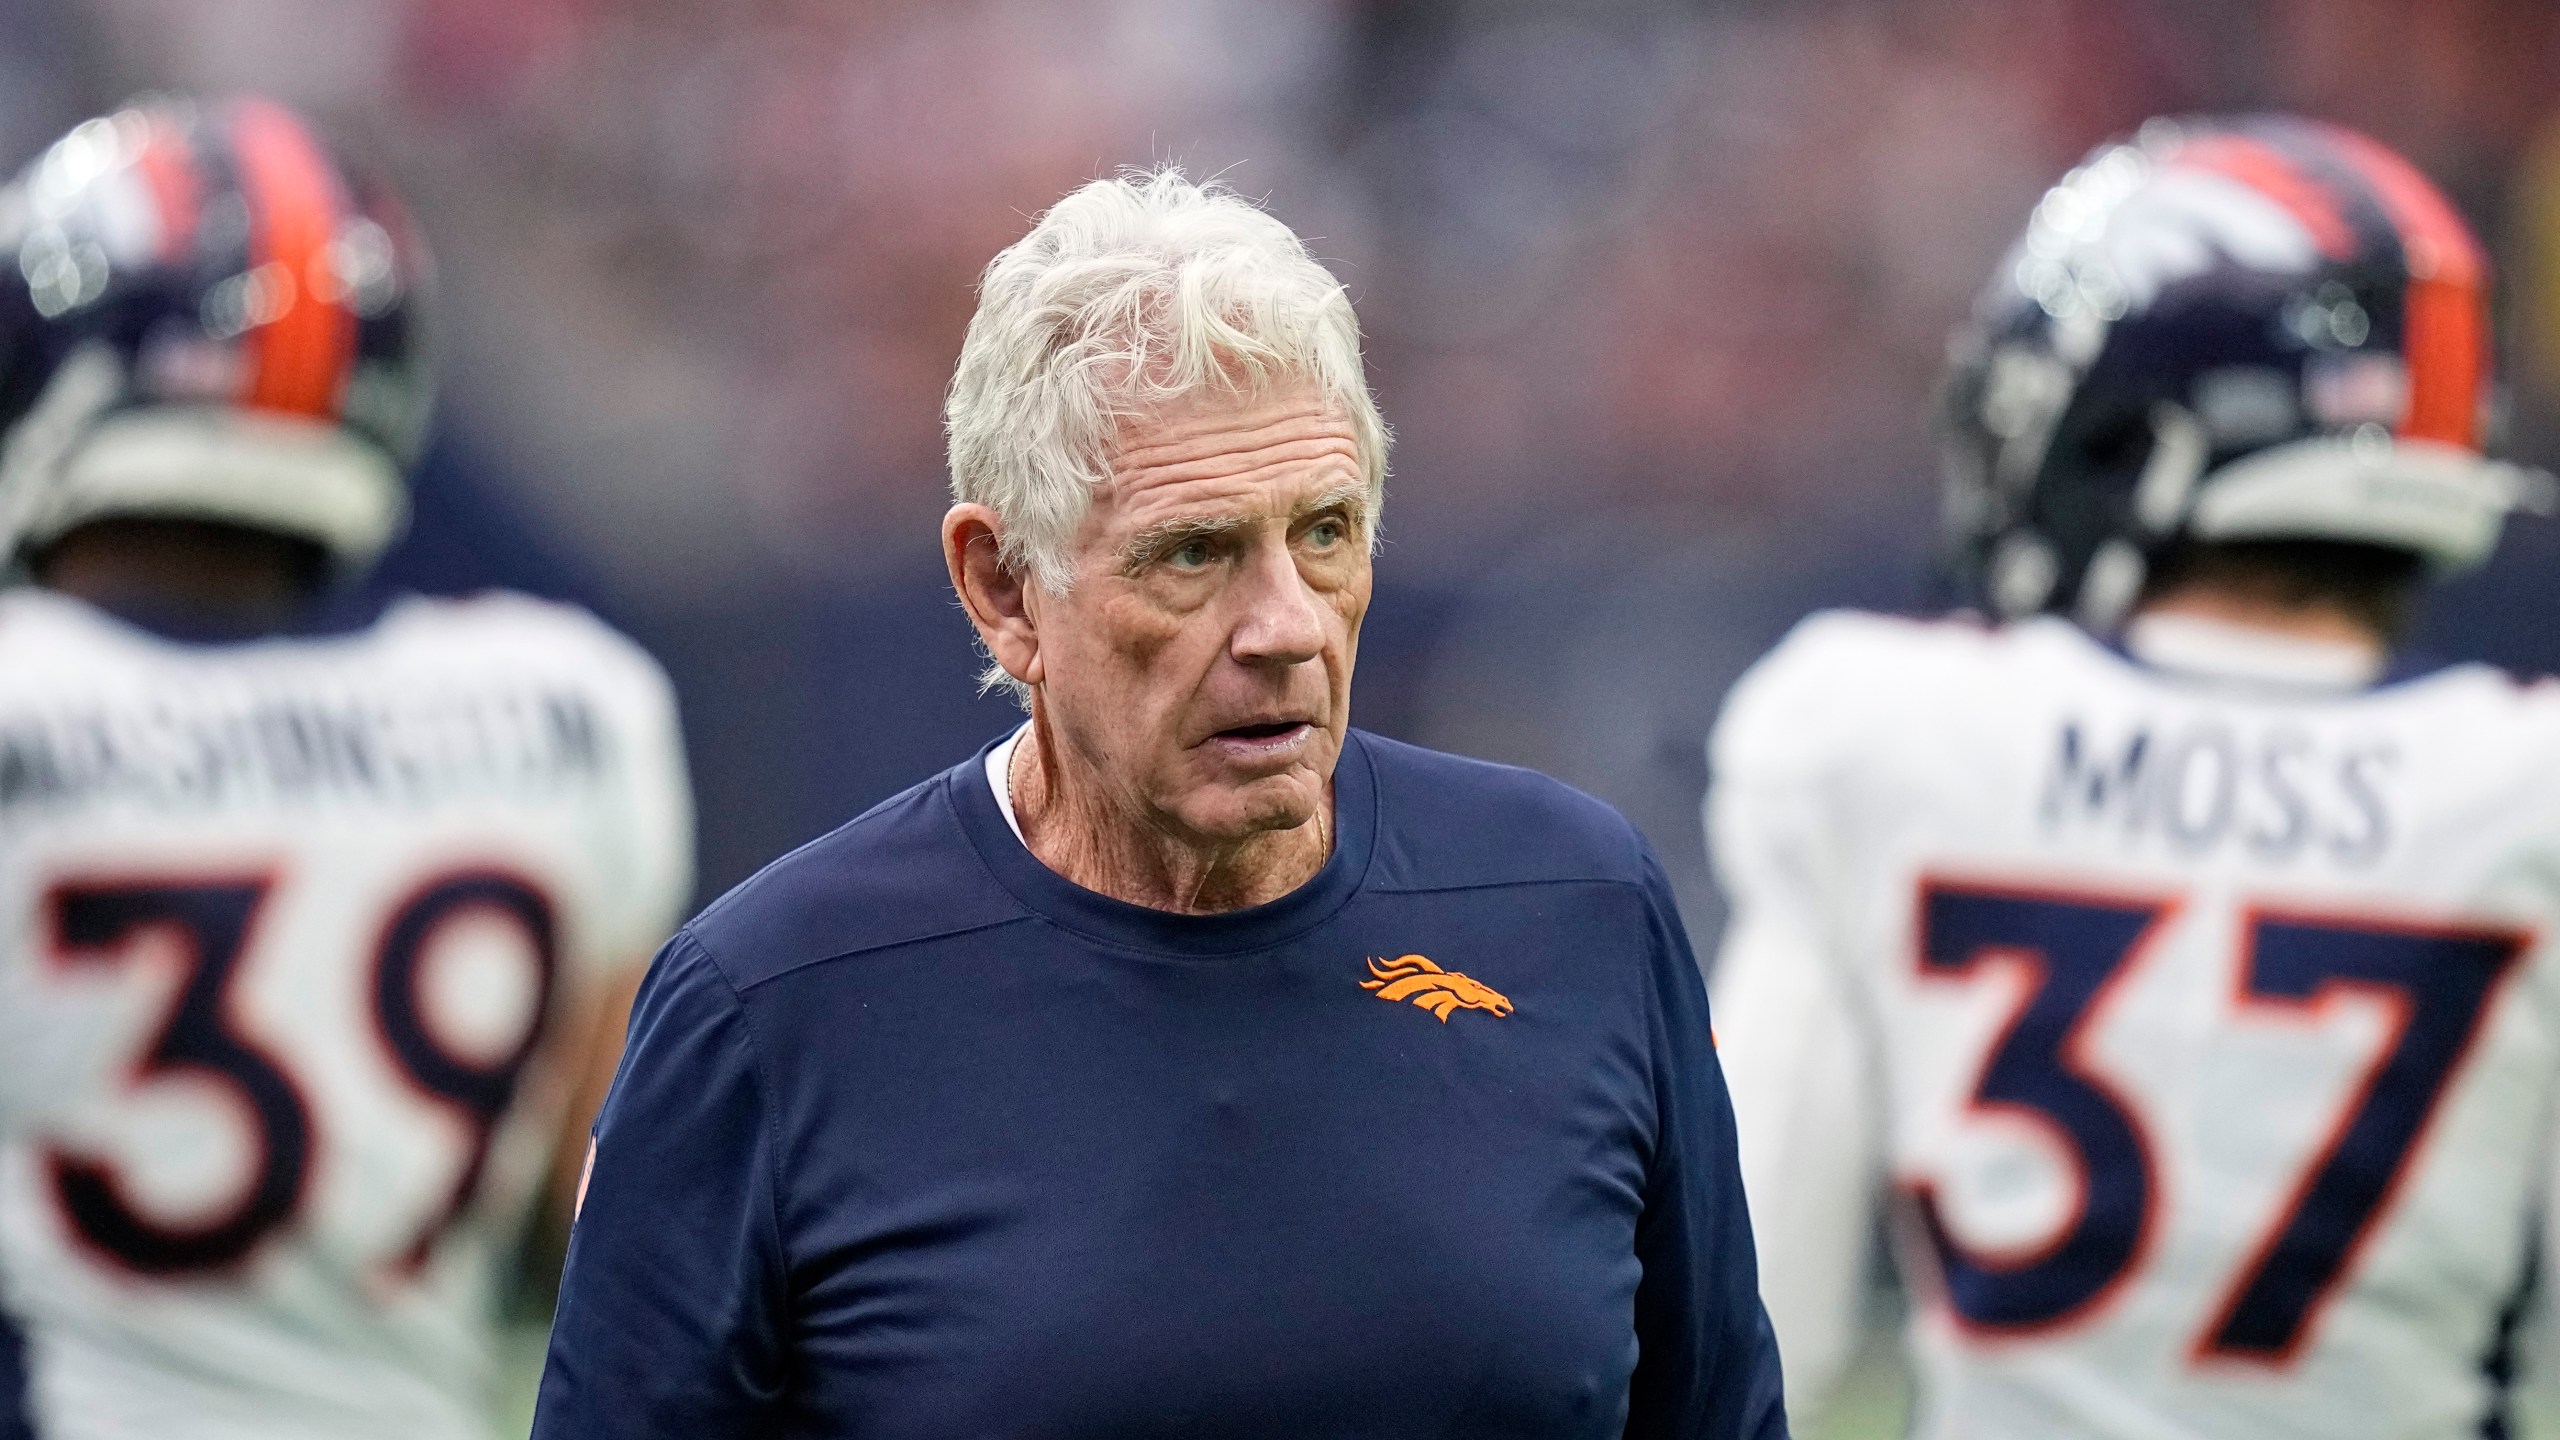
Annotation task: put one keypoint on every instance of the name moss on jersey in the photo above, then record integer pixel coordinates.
(284, 927)
(2204, 1030)
(2207, 782)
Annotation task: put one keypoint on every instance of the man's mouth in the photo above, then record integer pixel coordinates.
(1263, 738)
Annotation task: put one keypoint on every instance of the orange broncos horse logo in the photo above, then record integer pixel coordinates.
(1411, 977)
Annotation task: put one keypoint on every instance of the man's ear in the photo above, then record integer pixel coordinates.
(998, 600)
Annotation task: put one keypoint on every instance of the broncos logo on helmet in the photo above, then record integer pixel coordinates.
(1442, 992)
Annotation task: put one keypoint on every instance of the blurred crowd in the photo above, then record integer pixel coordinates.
(1655, 292)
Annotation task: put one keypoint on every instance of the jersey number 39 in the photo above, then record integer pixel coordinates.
(202, 1040)
(2433, 983)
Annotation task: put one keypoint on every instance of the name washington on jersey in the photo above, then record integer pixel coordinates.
(414, 747)
(2278, 791)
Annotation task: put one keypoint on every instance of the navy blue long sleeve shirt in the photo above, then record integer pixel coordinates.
(915, 1138)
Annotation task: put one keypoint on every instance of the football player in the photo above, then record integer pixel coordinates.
(323, 924)
(2180, 960)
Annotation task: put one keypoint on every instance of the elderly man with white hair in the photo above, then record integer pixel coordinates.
(1186, 1062)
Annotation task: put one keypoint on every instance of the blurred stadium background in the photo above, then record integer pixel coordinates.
(1655, 292)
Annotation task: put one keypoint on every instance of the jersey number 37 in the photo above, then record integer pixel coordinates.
(2434, 984)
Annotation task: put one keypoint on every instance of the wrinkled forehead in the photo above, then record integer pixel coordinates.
(1231, 453)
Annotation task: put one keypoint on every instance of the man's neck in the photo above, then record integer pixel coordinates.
(1074, 826)
(215, 579)
(2316, 623)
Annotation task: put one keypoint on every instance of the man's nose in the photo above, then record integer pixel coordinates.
(1283, 621)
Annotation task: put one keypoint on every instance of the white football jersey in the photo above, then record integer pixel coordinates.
(286, 930)
(2199, 1024)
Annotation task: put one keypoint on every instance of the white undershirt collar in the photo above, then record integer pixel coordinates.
(2221, 650)
(1000, 778)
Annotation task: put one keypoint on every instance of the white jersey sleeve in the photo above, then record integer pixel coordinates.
(653, 837)
(2533, 1340)
(1795, 1049)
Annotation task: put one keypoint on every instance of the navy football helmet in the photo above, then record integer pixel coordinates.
(206, 318)
(2255, 329)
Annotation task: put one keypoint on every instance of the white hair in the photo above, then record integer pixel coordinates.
(1130, 293)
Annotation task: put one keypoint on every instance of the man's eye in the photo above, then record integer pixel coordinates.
(1325, 534)
(1189, 555)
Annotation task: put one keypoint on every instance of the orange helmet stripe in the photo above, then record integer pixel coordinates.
(2447, 320)
(2272, 173)
(299, 358)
